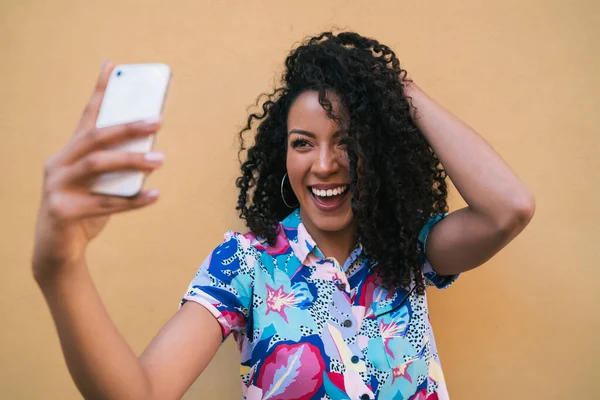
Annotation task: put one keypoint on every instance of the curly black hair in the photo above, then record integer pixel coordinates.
(397, 181)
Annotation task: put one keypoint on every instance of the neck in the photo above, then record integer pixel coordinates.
(337, 244)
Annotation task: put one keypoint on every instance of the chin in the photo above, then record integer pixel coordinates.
(337, 221)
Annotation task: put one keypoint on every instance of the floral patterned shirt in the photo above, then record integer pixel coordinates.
(309, 328)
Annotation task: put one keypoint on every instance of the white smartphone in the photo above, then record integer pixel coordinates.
(134, 92)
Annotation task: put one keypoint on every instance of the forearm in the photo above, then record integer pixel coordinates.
(484, 180)
(100, 361)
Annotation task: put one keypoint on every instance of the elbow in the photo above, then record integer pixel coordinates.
(521, 214)
(525, 210)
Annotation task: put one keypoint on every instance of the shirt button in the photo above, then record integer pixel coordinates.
(342, 286)
(365, 397)
(347, 323)
(355, 359)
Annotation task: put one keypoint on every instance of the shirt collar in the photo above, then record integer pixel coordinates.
(303, 245)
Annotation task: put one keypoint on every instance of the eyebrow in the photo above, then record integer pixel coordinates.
(310, 134)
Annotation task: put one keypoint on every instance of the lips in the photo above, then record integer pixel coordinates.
(334, 191)
(328, 197)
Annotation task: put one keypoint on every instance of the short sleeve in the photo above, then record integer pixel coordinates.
(223, 283)
(431, 277)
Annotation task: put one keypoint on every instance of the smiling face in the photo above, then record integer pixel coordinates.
(317, 165)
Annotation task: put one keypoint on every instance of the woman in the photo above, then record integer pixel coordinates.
(325, 295)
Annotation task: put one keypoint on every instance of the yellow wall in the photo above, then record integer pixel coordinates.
(523, 73)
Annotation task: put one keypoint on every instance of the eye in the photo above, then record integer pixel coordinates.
(299, 143)
(344, 142)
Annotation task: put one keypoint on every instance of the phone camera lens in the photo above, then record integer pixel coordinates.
(119, 73)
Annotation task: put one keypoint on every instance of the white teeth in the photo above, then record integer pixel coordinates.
(329, 192)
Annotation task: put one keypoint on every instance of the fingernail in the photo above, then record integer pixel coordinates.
(152, 120)
(152, 194)
(155, 156)
(104, 64)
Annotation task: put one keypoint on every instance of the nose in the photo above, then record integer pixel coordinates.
(327, 162)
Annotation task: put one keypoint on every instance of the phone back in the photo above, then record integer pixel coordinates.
(134, 92)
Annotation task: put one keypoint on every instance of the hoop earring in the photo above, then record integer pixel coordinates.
(283, 197)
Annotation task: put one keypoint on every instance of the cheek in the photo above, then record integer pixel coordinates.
(344, 159)
(295, 170)
(290, 161)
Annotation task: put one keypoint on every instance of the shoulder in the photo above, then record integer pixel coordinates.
(248, 247)
(236, 247)
(253, 242)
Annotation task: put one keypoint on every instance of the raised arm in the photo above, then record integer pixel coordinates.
(100, 361)
(499, 205)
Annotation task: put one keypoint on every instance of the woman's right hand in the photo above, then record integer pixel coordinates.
(70, 216)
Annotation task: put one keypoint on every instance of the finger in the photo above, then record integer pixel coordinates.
(77, 205)
(100, 139)
(90, 113)
(100, 162)
(103, 205)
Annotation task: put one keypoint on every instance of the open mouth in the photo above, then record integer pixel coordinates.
(329, 199)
